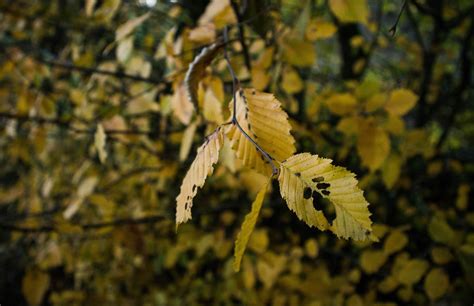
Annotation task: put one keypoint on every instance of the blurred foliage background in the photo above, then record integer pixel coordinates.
(96, 134)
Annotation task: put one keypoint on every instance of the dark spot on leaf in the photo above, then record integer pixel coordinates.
(298, 174)
(323, 205)
(318, 179)
(307, 193)
(325, 192)
(253, 92)
(194, 188)
(322, 185)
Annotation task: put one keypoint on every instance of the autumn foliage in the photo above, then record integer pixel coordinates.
(236, 152)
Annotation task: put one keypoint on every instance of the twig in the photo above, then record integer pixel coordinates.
(67, 124)
(245, 50)
(90, 70)
(85, 227)
(393, 28)
(465, 64)
(235, 87)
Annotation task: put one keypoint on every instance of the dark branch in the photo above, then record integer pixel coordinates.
(393, 28)
(67, 125)
(245, 50)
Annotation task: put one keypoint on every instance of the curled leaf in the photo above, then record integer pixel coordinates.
(197, 69)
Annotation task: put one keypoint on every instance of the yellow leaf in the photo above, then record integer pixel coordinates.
(373, 145)
(375, 102)
(400, 102)
(391, 170)
(77, 96)
(34, 285)
(202, 166)
(311, 248)
(440, 231)
(248, 274)
(298, 52)
(372, 260)
(369, 87)
(99, 143)
(291, 81)
(387, 285)
(138, 66)
(441, 255)
(436, 283)
(319, 29)
(269, 266)
(252, 181)
(412, 271)
(341, 104)
(405, 294)
(349, 125)
(259, 241)
(187, 141)
(125, 29)
(261, 117)
(107, 10)
(350, 10)
(247, 227)
(462, 199)
(182, 108)
(86, 188)
(395, 242)
(303, 174)
(266, 58)
(50, 256)
(124, 49)
(354, 300)
(394, 125)
(260, 78)
(90, 7)
(212, 108)
(415, 141)
(217, 9)
(203, 34)
(197, 69)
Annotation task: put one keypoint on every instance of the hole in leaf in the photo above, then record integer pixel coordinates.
(318, 179)
(322, 185)
(322, 204)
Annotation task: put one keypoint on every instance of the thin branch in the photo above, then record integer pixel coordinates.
(235, 87)
(67, 125)
(245, 49)
(90, 70)
(393, 28)
(85, 227)
(416, 29)
(466, 75)
(128, 175)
